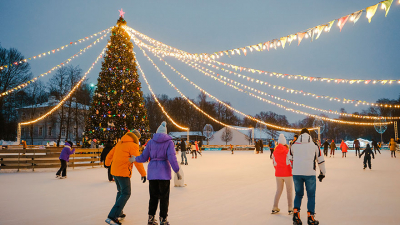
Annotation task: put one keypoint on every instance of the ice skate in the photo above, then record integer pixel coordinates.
(58, 176)
(163, 221)
(63, 177)
(296, 218)
(182, 163)
(121, 217)
(112, 221)
(186, 163)
(311, 219)
(152, 220)
(290, 211)
(275, 210)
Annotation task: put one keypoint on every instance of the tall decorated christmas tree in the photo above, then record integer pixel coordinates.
(118, 104)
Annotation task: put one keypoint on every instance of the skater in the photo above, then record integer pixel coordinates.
(375, 145)
(367, 157)
(392, 147)
(197, 147)
(271, 147)
(231, 148)
(121, 168)
(343, 147)
(304, 154)
(283, 174)
(356, 146)
(183, 152)
(261, 146)
(326, 147)
(257, 145)
(161, 151)
(333, 148)
(193, 150)
(104, 153)
(64, 158)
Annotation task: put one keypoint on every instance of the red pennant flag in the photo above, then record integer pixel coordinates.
(300, 37)
(342, 21)
(267, 43)
(367, 81)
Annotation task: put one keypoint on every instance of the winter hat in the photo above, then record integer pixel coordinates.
(137, 133)
(304, 130)
(162, 128)
(66, 143)
(282, 139)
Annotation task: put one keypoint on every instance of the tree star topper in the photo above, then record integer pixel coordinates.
(121, 13)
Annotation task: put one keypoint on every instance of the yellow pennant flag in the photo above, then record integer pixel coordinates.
(283, 42)
(387, 5)
(331, 24)
(371, 11)
(320, 28)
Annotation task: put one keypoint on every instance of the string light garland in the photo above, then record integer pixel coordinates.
(68, 95)
(19, 87)
(55, 50)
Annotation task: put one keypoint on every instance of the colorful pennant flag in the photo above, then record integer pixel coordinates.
(387, 5)
(342, 21)
(371, 11)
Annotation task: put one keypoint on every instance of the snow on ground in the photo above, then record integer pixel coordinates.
(221, 189)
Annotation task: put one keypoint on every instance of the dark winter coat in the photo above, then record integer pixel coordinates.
(107, 148)
(183, 146)
(257, 146)
(375, 145)
(326, 145)
(261, 145)
(368, 152)
(356, 143)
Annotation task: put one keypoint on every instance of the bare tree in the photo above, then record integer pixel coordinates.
(36, 94)
(74, 75)
(227, 135)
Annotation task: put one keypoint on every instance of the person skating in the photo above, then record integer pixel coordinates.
(161, 151)
(326, 147)
(283, 174)
(333, 148)
(304, 152)
(375, 146)
(197, 148)
(231, 148)
(392, 147)
(294, 139)
(64, 158)
(121, 168)
(107, 148)
(343, 147)
(261, 146)
(257, 146)
(193, 150)
(271, 147)
(367, 157)
(183, 152)
(356, 146)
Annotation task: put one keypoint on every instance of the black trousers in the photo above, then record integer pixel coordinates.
(272, 152)
(378, 150)
(159, 191)
(367, 160)
(110, 177)
(393, 153)
(325, 151)
(357, 150)
(63, 168)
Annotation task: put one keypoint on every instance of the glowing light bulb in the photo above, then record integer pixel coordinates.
(306, 35)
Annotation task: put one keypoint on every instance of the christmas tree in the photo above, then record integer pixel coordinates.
(118, 104)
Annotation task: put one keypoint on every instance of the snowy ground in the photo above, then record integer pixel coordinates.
(221, 189)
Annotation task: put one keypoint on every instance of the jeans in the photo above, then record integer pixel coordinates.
(63, 168)
(123, 194)
(183, 156)
(311, 185)
(159, 191)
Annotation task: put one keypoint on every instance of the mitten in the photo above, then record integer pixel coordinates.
(132, 159)
(178, 174)
(320, 177)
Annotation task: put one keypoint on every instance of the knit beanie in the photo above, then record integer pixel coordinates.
(162, 128)
(282, 139)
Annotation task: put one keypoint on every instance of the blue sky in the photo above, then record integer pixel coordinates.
(360, 51)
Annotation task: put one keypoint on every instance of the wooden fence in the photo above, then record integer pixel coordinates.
(47, 158)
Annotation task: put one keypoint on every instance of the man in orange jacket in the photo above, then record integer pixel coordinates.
(121, 169)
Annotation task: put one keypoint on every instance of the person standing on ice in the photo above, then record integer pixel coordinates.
(333, 148)
(64, 158)
(261, 146)
(271, 147)
(161, 151)
(283, 174)
(356, 146)
(231, 148)
(367, 158)
(107, 148)
(375, 145)
(343, 147)
(197, 148)
(257, 146)
(392, 147)
(121, 168)
(304, 152)
(326, 147)
(183, 152)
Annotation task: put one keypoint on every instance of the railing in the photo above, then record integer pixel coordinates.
(227, 147)
(47, 158)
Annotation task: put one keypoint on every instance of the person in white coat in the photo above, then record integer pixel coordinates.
(305, 155)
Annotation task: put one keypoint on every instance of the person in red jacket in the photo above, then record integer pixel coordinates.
(344, 147)
(283, 173)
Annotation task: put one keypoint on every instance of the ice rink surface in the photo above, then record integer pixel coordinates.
(221, 189)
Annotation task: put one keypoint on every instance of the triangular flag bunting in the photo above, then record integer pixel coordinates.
(342, 21)
(356, 16)
(387, 5)
(267, 44)
(300, 37)
(283, 42)
(291, 38)
(331, 24)
(371, 11)
(320, 29)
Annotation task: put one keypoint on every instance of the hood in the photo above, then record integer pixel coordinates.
(66, 144)
(161, 137)
(304, 138)
(282, 139)
(127, 138)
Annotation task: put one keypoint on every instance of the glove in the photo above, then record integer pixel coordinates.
(320, 177)
(144, 179)
(178, 174)
(132, 159)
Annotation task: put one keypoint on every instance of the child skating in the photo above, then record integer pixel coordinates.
(343, 147)
(231, 148)
(392, 147)
(64, 158)
(367, 157)
(333, 147)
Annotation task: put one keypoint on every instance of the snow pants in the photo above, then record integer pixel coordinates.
(357, 150)
(367, 160)
(159, 191)
(63, 168)
(123, 195)
(183, 156)
(311, 185)
(280, 182)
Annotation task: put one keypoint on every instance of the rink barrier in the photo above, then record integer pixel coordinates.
(227, 147)
(47, 158)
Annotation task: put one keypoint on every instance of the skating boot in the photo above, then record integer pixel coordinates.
(58, 176)
(163, 221)
(290, 211)
(113, 221)
(311, 219)
(275, 210)
(186, 163)
(182, 163)
(63, 177)
(121, 217)
(152, 220)
(296, 217)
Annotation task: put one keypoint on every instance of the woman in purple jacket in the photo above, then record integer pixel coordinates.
(161, 151)
(64, 158)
